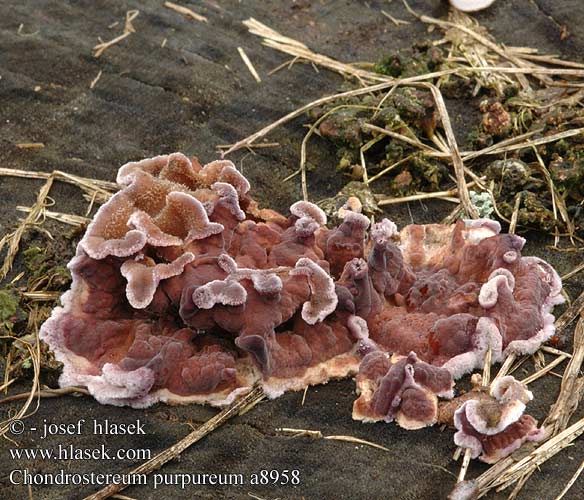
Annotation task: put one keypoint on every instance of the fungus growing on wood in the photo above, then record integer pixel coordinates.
(493, 428)
(184, 290)
(405, 391)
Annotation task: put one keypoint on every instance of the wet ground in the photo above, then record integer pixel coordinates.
(191, 95)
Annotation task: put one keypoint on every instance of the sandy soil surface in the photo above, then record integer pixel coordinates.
(191, 95)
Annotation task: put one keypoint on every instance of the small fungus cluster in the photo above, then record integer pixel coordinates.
(184, 290)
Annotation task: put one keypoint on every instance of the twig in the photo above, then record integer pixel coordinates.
(249, 65)
(504, 473)
(395, 135)
(515, 216)
(465, 464)
(553, 350)
(95, 80)
(541, 454)
(551, 365)
(419, 196)
(486, 379)
(573, 272)
(571, 388)
(30, 145)
(70, 219)
(505, 366)
(571, 481)
(96, 189)
(397, 22)
(95, 184)
(248, 402)
(47, 393)
(304, 396)
(185, 11)
(456, 158)
(569, 315)
(29, 220)
(35, 355)
(319, 435)
(567, 401)
(261, 145)
(41, 296)
(323, 100)
(100, 48)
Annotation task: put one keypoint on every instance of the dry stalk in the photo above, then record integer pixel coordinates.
(249, 65)
(41, 296)
(35, 357)
(390, 168)
(540, 455)
(304, 395)
(106, 188)
(70, 219)
(261, 145)
(297, 49)
(571, 388)
(573, 272)
(553, 350)
(456, 158)
(397, 22)
(319, 435)
(277, 41)
(571, 482)
(95, 80)
(443, 195)
(569, 315)
(486, 378)
(409, 140)
(508, 471)
(509, 360)
(46, 393)
(568, 399)
(28, 221)
(453, 216)
(513, 225)
(100, 48)
(323, 100)
(540, 373)
(185, 11)
(485, 382)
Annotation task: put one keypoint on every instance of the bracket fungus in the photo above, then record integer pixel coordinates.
(405, 391)
(184, 290)
(493, 427)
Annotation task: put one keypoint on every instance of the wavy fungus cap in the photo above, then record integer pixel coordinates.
(494, 428)
(185, 291)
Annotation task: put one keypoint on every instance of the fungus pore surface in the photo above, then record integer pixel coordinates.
(184, 290)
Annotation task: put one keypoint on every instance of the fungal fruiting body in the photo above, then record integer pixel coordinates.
(458, 291)
(406, 390)
(185, 291)
(496, 426)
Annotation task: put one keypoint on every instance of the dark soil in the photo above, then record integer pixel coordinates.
(190, 96)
